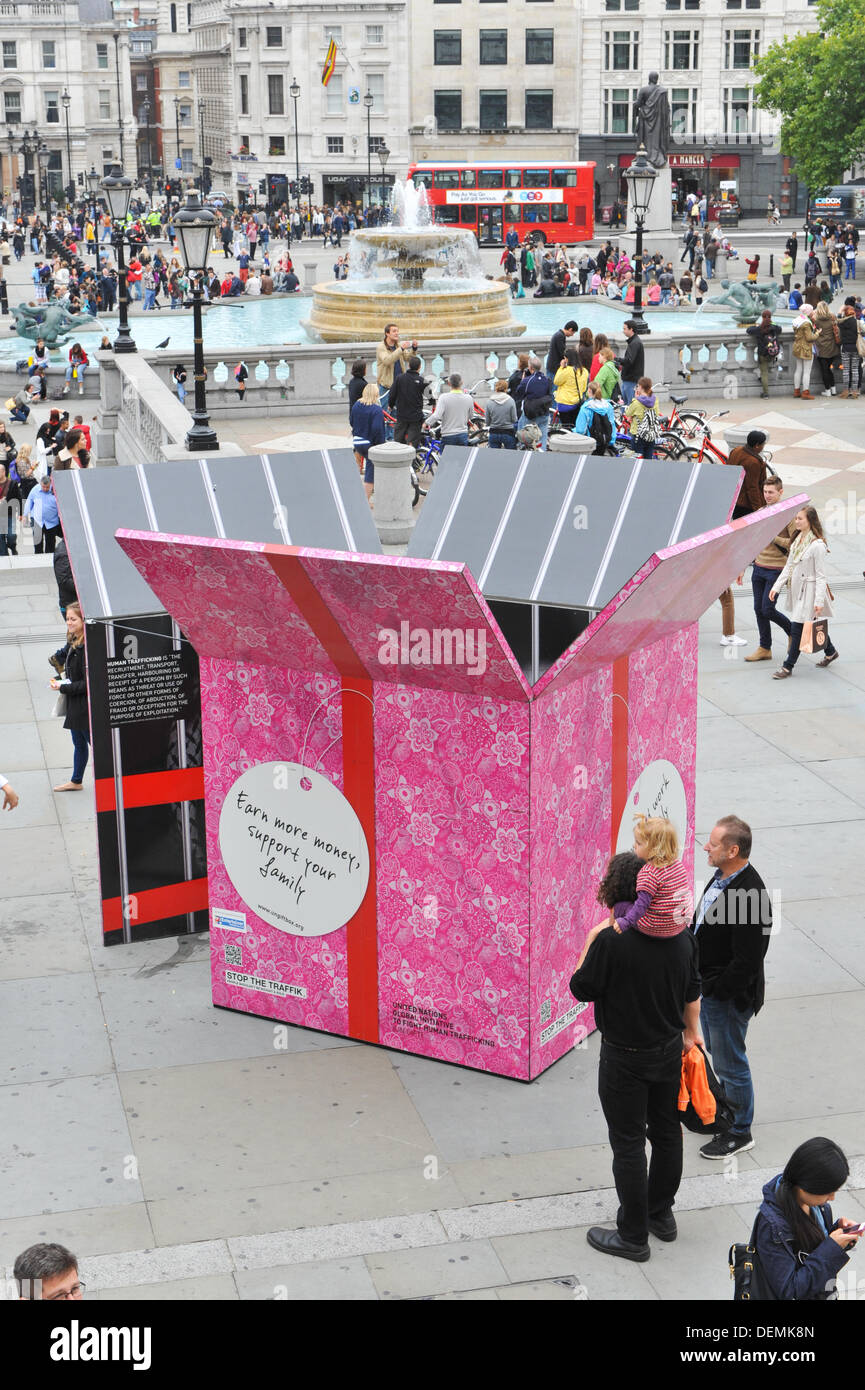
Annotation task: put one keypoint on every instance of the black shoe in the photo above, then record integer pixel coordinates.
(611, 1243)
(828, 659)
(664, 1228)
(724, 1145)
(57, 664)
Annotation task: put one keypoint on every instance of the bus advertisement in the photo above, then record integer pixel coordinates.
(549, 202)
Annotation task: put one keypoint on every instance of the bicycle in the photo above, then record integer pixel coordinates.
(716, 455)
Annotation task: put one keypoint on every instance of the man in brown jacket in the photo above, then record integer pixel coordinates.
(748, 456)
(391, 358)
(767, 567)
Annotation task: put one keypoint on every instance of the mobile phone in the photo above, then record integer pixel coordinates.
(855, 1230)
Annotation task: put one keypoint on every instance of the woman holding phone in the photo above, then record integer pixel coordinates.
(800, 1248)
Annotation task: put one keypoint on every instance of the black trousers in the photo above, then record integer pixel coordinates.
(638, 1093)
(408, 432)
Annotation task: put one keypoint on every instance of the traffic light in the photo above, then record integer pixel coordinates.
(292, 189)
(306, 185)
(262, 185)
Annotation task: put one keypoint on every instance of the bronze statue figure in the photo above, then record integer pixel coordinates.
(652, 121)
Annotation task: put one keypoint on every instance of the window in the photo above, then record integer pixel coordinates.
(12, 107)
(469, 179)
(275, 98)
(141, 82)
(539, 45)
(622, 4)
(52, 108)
(273, 36)
(101, 56)
(10, 53)
(564, 178)
(184, 113)
(617, 110)
(375, 87)
(244, 94)
(683, 111)
(332, 31)
(448, 108)
(469, 214)
(104, 104)
(446, 214)
(334, 144)
(374, 34)
(683, 4)
(184, 79)
(749, 4)
(621, 50)
(172, 15)
(49, 56)
(536, 178)
(244, 143)
(241, 38)
(513, 178)
(493, 110)
(489, 178)
(539, 110)
(376, 142)
(447, 47)
(447, 178)
(559, 212)
(513, 212)
(741, 47)
(737, 111)
(681, 49)
(335, 98)
(493, 46)
(141, 46)
(277, 145)
(186, 161)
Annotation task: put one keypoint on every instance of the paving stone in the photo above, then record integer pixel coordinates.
(443, 1269)
(556, 1254)
(65, 1035)
(328, 1281)
(87, 1232)
(213, 1288)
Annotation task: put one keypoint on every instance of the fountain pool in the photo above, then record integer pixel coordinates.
(238, 328)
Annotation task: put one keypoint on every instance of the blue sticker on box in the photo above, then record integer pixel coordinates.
(229, 921)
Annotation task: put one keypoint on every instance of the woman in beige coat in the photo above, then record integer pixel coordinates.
(828, 338)
(804, 339)
(808, 598)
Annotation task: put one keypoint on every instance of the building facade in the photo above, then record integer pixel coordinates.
(703, 51)
(285, 123)
(65, 96)
(490, 76)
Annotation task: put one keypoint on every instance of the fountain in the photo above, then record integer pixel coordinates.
(426, 279)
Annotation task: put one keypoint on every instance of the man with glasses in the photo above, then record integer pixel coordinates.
(48, 1272)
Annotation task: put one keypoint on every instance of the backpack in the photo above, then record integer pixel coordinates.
(648, 428)
(700, 1082)
(773, 347)
(749, 1283)
(601, 431)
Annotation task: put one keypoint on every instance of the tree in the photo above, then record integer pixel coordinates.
(816, 83)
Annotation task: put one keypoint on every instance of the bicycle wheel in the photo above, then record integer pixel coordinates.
(692, 455)
(674, 444)
(664, 450)
(694, 425)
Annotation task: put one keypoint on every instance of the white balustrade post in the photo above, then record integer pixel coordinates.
(392, 494)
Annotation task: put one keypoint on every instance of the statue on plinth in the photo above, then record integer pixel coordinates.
(652, 120)
(749, 299)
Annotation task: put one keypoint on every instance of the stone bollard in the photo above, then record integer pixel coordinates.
(392, 495)
(570, 443)
(310, 274)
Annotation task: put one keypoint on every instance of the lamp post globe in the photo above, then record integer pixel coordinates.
(194, 225)
(640, 175)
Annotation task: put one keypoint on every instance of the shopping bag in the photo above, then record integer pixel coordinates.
(819, 634)
(806, 641)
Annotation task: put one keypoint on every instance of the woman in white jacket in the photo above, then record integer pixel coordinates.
(808, 598)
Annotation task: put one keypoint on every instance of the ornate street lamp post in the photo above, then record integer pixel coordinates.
(66, 101)
(93, 182)
(368, 103)
(641, 175)
(294, 93)
(117, 188)
(194, 225)
(384, 156)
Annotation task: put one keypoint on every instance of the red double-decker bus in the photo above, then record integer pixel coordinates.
(552, 202)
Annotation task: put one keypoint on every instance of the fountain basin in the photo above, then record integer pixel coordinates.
(345, 313)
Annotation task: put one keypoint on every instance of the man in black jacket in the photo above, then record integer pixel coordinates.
(646, 993)
(632, 362)
(405, 399)
(558, 343)
(732, 925)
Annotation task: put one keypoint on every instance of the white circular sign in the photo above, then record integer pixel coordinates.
(294, 849)
(658, 791)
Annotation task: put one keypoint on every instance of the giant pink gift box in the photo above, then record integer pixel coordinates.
(490, 807)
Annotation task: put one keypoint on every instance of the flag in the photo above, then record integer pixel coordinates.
(329, 63)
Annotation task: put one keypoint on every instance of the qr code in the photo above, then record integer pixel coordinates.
(546, 1010)
(233, 954)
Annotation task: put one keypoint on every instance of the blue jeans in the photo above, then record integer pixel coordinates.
(462, 439)
(81, 746)
(766, 608)
(793, 652)
(502, 439)
(150, 299)
(724, 1028)
(628, 390)
(851, 270)
(81, 371)
(542, 422)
